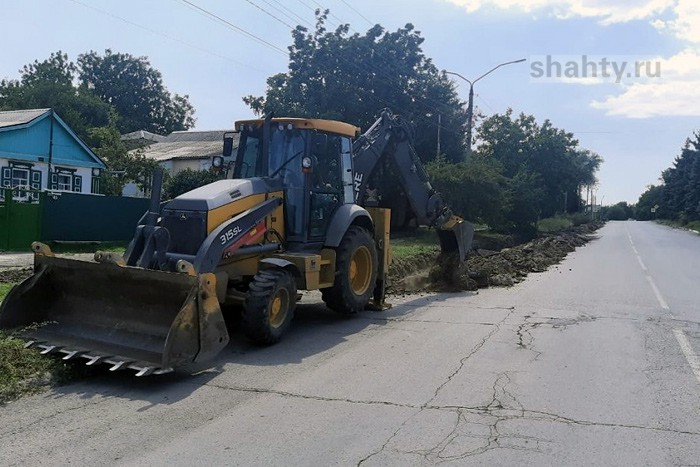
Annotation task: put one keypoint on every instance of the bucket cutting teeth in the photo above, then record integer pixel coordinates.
(72, 353)
(142, 369)
(47, 349)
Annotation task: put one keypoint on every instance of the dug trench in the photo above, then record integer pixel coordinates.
(430, 271)
(485, 267)
(488, 265)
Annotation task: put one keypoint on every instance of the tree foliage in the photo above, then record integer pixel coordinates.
(678, 197)
(100, 98)
(336, 75)
(476, 190)
(136, 91)
(50, 84)
(521, 172)
(123, 166)
(681, 197)
(619, 212)
(523, 147)
(187, 180)
(652, 198)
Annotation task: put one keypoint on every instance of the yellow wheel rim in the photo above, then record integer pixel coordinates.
(278, 308)
(360, 270)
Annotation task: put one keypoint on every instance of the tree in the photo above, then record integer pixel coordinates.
(649, 200)
(136, 91)
(681, 195)
(335, 75)
(619, 212)
(523, 147)
(475, 190)
(187, 180)
(49, 84)
(124, 166)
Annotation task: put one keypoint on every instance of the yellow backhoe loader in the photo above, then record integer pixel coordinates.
(300, 212)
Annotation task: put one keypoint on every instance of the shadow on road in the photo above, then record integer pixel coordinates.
(315, 329)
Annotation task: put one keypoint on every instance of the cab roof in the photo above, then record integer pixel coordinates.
(331, 126)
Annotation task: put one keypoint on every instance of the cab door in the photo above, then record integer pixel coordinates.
(325, 182)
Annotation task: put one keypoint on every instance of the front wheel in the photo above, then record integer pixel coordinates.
(356, 272)
(269, 306)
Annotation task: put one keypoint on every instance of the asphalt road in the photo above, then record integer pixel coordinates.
(594, 362)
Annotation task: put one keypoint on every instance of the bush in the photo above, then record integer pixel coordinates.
(580, 219)
(554, 224)
(187, 180)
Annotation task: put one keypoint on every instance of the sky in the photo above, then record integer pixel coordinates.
(622, 75)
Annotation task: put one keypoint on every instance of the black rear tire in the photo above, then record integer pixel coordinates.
(355, 272)
(269, 306)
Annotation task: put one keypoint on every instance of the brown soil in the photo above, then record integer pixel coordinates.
(485, 268)
(436, 272)
(14, 275)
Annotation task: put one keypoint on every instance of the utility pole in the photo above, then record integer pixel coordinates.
(470, 106)
(437, 156)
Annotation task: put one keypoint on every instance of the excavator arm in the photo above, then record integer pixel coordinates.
(390, 139)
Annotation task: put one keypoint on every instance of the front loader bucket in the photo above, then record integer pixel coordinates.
(456, 238)
(149, 321)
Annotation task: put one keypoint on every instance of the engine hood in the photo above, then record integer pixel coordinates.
(222, 192)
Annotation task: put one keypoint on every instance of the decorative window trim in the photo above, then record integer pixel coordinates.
(74, 182)
(28, 191)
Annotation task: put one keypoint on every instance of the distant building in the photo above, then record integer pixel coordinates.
(38, 151)
(178, 151)
(182, 150)
(141, 138)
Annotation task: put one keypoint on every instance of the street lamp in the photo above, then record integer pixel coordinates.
(470, 107)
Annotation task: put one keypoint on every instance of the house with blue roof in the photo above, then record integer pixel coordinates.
(39, 152)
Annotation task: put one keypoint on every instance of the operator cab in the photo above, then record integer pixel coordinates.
(313, 161)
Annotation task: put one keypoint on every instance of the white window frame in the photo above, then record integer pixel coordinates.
(64, 186)
(22, 195)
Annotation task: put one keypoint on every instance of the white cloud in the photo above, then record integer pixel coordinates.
(607, 11)
(674, 93)
(686, 22)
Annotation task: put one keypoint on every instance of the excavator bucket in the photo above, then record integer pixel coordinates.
(145, 320)
(456, 236)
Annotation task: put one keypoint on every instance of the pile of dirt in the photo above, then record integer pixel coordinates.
(486, 268)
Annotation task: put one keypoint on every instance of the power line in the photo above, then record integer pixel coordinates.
(269, 14)
(288, 13)
(358, 13)
(232, 26)
(167, 36)
(323, 8)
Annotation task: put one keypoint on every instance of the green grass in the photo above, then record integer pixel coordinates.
(694, 225)
(4, 289)
(87, 247)
(424, 241)
(23, 371)
(26, 371)
(554, 224)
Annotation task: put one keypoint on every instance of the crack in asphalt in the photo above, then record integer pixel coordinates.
(432, 321)
(462, 362)
(502, 407)
(526, 340)
(311, 397)
(474, 350)
(51, 416)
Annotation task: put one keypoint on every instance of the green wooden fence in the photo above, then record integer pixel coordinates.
(20, 219)
(65, 216)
